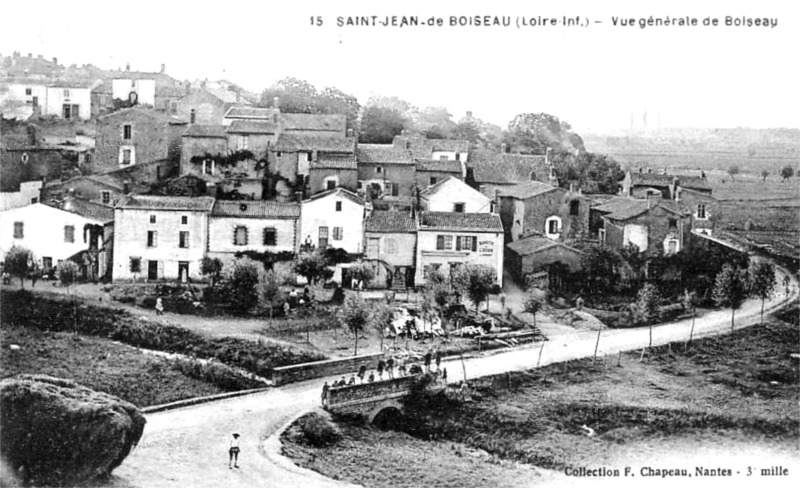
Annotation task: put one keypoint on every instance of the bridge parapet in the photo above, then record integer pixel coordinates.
(365, 397)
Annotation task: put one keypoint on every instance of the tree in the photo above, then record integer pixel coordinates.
(382, 317)
(18, 263)
(312, 266)
(211, 267)
(787, 172)
(363, 273)
(599, 263)
(35, 271)
(733, 170)
(480, 281)
(334, 101)
(535, 132)
(354, 315)
(761, 282)
(690, 300)
(269, 290)
(764, 174)
(647, 301)
(532, 305)
(244, 280)
(294, 96)
(635, 260)
(381, 125)
(730, 289)
(67, 272)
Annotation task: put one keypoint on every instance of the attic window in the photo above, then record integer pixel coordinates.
(28, 91)
(106, 196)
(279, 153)
(458, 207)
(24, 158)
(378, 169)
(243, 207)
(338, 206)
(433, 180)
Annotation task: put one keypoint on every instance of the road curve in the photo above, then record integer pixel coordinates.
(188, 447)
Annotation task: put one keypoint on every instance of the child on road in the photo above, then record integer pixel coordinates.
(233, 452)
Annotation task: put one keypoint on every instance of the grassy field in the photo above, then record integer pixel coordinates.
(99, 364)
(733, 397)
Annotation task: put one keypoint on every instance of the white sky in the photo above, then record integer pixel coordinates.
(592, 77)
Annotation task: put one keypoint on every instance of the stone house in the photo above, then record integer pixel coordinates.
(105, 189)
(385, 171)
(432, 171)
(705, 210)
(446, 240)
(433, 149)
(203, 107)
(489, 171)
(198, 141)
(31, 162)
(453, 195)
(535, 258)
(292, 156)
(390, 241)
(25, 91)
(334, 218)
(643, 185)
(160, 238)
(136, 135)
(331, 170)
(255, 136)
(257, 227)
(651, 225)
(540, 208)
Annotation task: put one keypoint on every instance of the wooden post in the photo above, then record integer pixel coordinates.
(619, 360)
(641, 358)
(597, 344)
(541, 349)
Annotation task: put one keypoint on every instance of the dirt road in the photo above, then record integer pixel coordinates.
(188, 447)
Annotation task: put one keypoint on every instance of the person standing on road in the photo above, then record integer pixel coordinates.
(233, 451)
(390, 367)
(381, 367)
(325, 389)
(438, 359)
(362, 370)
(428, 361)
(159, 306)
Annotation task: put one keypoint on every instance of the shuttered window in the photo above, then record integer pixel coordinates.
(270, 236)
(338, 232)
(183, 239)
(444, 243)
(19, 230)
(69, 233)
(152, 238)
(240, 236)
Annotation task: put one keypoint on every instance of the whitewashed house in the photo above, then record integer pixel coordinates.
(334, 218)
(52, 235)
(160, 238)
(141, 91)
(29, 192)
(69, 100)
(252, 226)
(453, 195)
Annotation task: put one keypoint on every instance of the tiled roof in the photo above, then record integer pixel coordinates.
(242, 112)
(506, 168)
(320, 122)
(290, 142)
(531, 245)
(438, 165)
(422, 147)
(90, 210)
(252, 127)
(651, 179)
(197, 130)
(484, 222)
(433, 189)
(632, 209)
(528, 189)
(157, 114)
(151, 202)
(613, 204)
(382, 153)
(448, 145)
(337, 191)
(335, 161)
(693, 182)
(389, 221)
(69, 84)
(258, 209)
(101, 179)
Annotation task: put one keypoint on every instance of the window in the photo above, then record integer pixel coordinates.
(135, 265)
(373, 247)
(338, 206)
(673, 223)
(601, 234)
(183, 239)
(240, 236)
(152, 219)
(106, 195)
(443, 157)
(552, 227)
(29, 91)
(127, 132)
(330, 185)
(184, 219)
(458, 207)
(152, 238)
(378, 169)
(66, 93)
(391, 245)
(279, 153)
(701, 210)
(34, 200)
(323, 237)
(24, 158)
(270, 236)
(574, 207)
(395, 189)
(242, 143)
(126, 187)
(433, 180)
(467, 243)
(360, 185)
(208, 166)
(458, 156)
(126, 156)
(388, 188)
(19, 230)
(338, 232)
(444, 243)
(309, 157)
(69, 233)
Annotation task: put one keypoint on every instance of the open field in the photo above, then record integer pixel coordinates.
(728, 398)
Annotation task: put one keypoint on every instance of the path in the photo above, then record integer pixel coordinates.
(188, 446)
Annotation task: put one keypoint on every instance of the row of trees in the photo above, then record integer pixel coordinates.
(21, 263)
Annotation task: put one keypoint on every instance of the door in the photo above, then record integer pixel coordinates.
(373, 247)
(183, 271)
(152, 270)
(35, 102)
(323, 237)
(76, 111)
(66, 110)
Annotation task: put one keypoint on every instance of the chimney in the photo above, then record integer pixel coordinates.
(39, 56)
(69, 200)
(127, 66)
(192, 116)
(547, 156)
(664, 171)
(314, 155)
(276, 102)
(163, 67)
(30, 55)
(572, 187)
(298, 196)
(203, 84)
(496, 202)
(640, 170)
(55, 60)
(469, 114)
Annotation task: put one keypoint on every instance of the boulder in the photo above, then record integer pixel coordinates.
(55, 432)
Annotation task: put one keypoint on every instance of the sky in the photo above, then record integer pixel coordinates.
(596, 77)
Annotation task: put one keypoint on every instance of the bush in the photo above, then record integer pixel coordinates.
(318, 431)
(57, 433)
(216, 374)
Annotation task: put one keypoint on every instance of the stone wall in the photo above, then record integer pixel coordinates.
(328, 367)
(346, 396)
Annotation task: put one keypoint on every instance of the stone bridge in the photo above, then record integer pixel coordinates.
(370, 399)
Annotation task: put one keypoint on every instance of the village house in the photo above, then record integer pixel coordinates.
(385, 171)
(252, 227)
(255, 136)
(96, 262)
(651, 225)
(642, 184)
(489, 171)
(540, 208)
(69, 100)
(199, 141)
(28, 92)
(203, 107)
(331, 170)
(446, 240)
(136, 135)
(104, 188)
(29, 192)
(453, 195)
(704, 209)
(51, 234)
(538, 260)
(433, 149)
(293, 155)
(126, 88)
(31, 162)
(160, 238)
(390, 240)
(139, 91)
(334, 218)
(432, 171)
